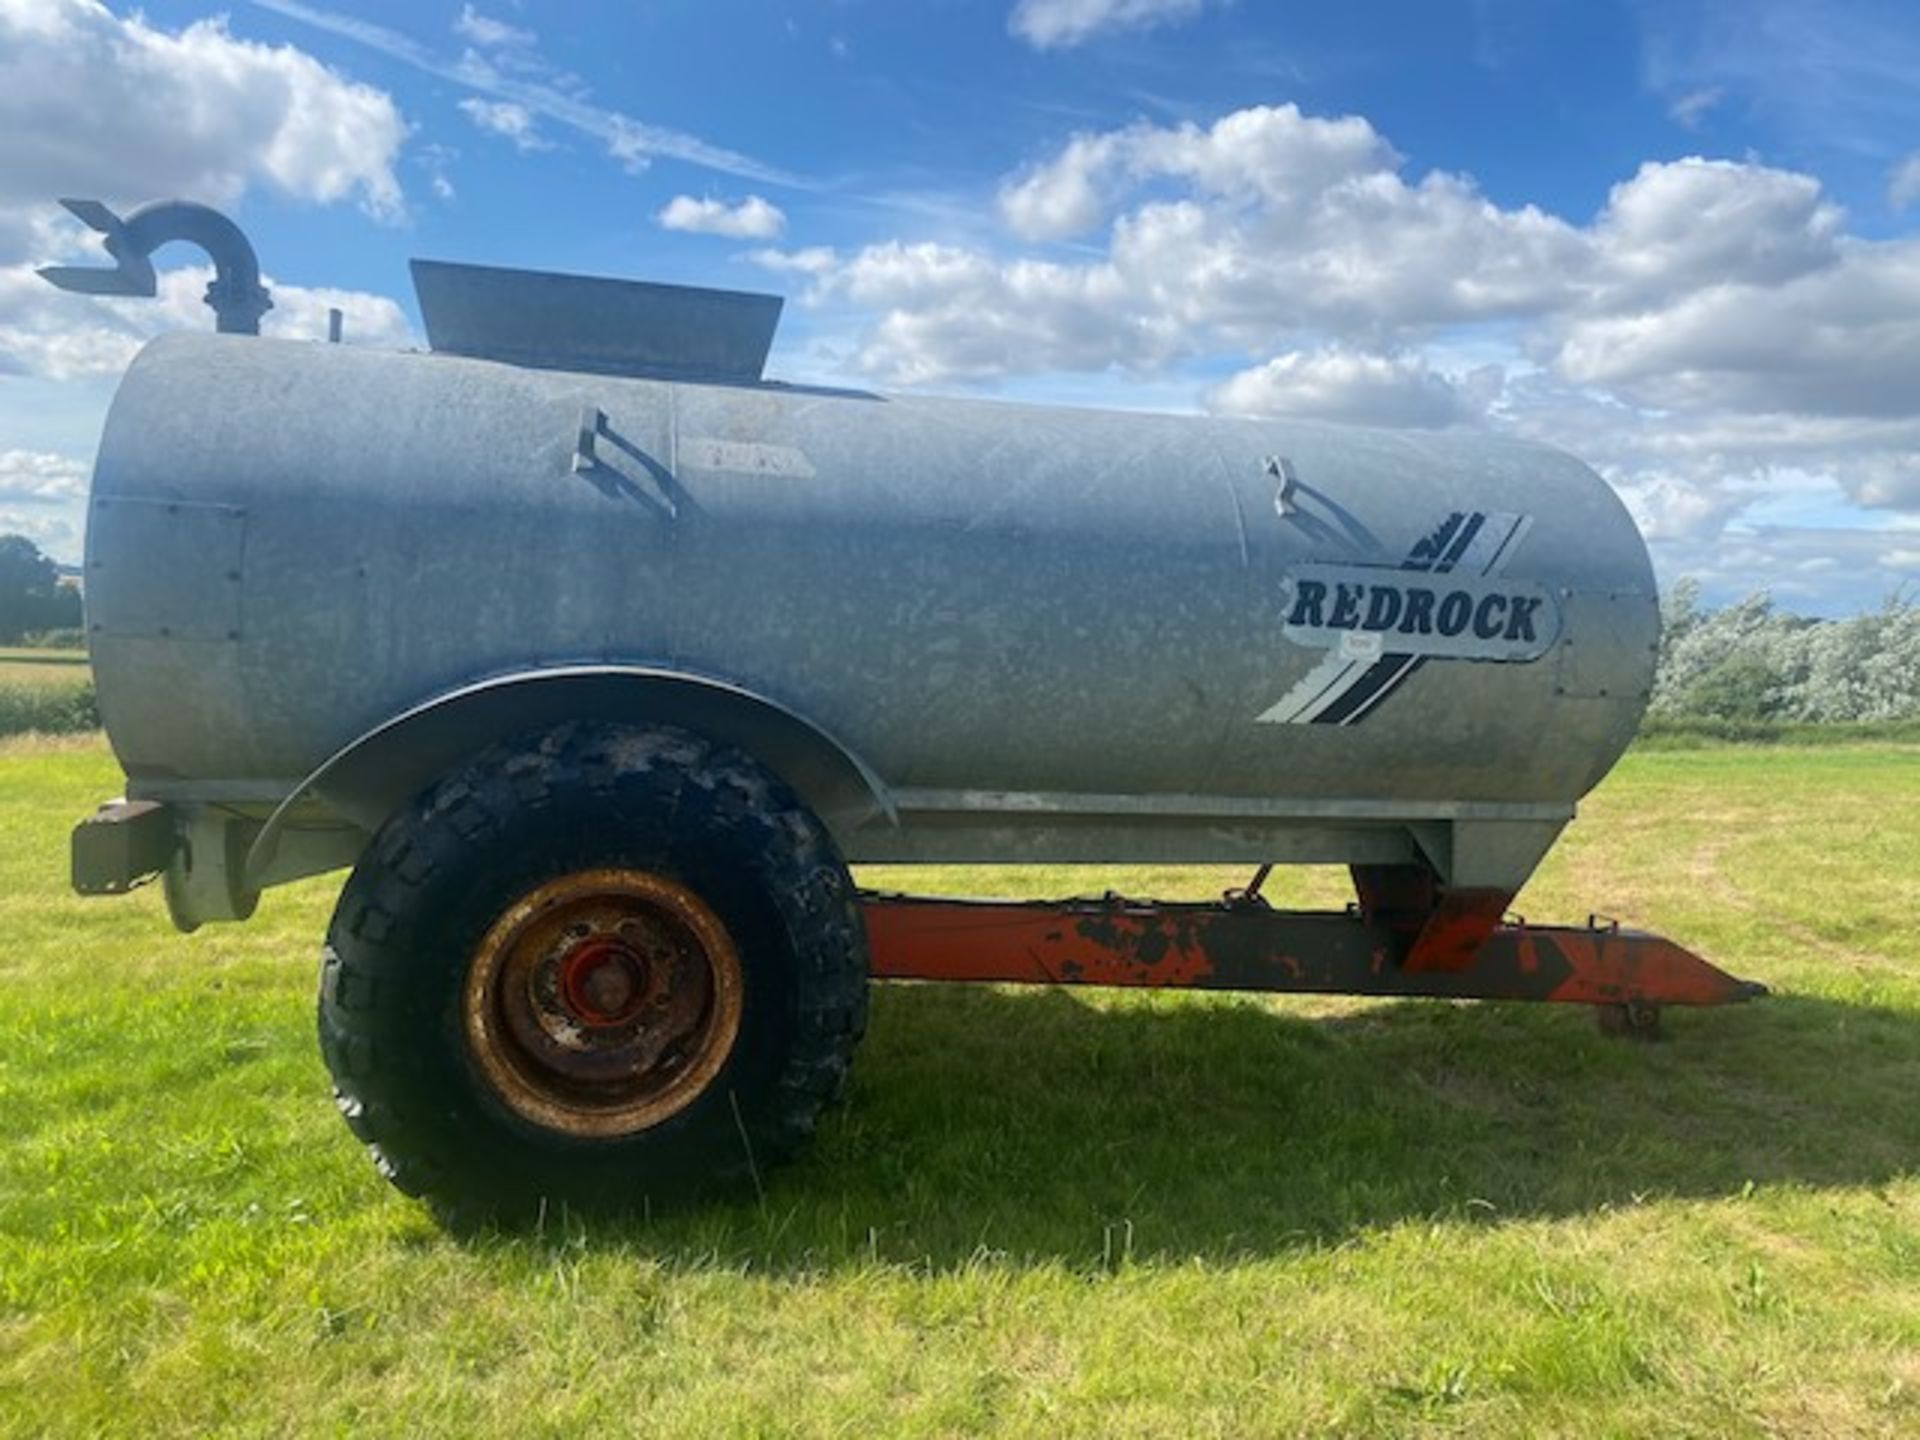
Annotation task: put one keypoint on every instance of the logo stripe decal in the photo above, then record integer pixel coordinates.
(1344, 688)
(1485, 539)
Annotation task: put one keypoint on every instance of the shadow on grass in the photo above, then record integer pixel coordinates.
(1043, 1127)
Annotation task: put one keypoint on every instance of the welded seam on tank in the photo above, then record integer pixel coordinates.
(1221, 748)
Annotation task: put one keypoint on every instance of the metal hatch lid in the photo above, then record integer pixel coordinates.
(582, 322)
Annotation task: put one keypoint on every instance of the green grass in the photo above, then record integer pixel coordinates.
(26, 668)
(48, 709)
(1659, 732)
(45, 691)
(1039, 1213)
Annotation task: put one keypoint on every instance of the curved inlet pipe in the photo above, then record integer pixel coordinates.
(237, 297)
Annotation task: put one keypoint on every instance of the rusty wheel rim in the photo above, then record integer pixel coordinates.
(603, 1002)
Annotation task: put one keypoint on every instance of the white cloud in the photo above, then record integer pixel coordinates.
(517, 76)
(47, 332)
(1068, 196)
(1685, 225)
(39, 477)
(94, 104)
(1668, 508)
(1889, 479)
(1687, 475)
(1692, 107)
(52, 532)
(1272, 155)
(436, 162)
(1817, 569)
(1050, 23)
(1842, 340)
(751, 219)
(504, 118)
(300, 313)
(491, 34)
(1337, 383)
(815, 260)
(1903, 184)
(40, 496)
(1273, 222)
(943, 313)
(1719, 282)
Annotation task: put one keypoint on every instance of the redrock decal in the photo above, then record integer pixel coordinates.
(1461, 617)
(1380, 622)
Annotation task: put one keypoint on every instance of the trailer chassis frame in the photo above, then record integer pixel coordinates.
(1404, 936)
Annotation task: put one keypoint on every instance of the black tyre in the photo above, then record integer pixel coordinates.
(602, 967)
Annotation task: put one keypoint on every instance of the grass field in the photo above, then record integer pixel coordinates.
(46, 691)
(1039, 1213)
(28, 668)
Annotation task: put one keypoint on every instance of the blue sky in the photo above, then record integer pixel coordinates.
(1681, 239)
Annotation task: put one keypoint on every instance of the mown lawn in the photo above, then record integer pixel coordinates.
(1038, 1213)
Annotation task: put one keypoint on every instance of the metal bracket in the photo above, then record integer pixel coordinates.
(586, 457)
(1278, 467)
(640, 478)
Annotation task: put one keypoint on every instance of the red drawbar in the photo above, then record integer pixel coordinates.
(1458, 950)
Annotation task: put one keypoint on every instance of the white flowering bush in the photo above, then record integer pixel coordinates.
(1751, 662)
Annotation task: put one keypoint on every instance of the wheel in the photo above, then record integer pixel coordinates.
(601, 967)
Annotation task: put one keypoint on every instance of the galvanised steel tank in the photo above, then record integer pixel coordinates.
(600, 658)
(973, 631)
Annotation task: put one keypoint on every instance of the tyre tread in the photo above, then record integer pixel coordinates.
(369, 1036)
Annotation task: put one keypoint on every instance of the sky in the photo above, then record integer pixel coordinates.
(1679, 239)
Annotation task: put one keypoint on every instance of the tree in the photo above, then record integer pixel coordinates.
(31, 595)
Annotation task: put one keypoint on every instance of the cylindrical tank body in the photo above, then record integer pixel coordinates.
(291, 543)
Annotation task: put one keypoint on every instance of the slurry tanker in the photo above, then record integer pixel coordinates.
(599, 658)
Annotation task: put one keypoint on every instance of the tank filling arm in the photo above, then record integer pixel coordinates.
(236, 295)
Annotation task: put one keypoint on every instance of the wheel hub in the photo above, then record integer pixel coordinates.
(603, 1002)
(602, 982)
